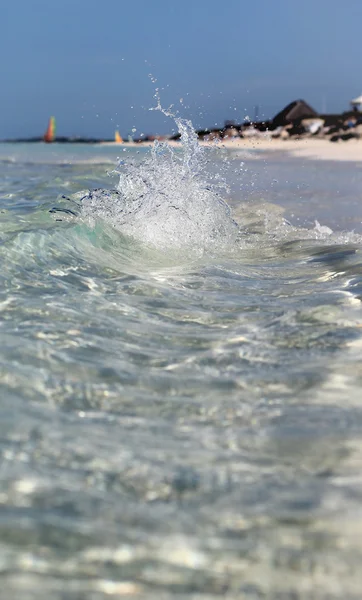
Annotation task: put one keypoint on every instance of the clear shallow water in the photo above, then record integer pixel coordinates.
(179, 423)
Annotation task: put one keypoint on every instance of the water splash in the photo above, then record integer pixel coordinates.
(167, 200)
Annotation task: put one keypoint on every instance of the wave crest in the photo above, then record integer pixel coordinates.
(166, 200)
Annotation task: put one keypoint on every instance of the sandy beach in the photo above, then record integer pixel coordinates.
(310, 148)
(313, 148)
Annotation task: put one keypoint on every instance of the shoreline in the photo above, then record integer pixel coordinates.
(308, 148)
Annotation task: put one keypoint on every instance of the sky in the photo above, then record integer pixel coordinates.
(93, 63)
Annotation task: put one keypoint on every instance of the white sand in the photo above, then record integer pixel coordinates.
(315, 148)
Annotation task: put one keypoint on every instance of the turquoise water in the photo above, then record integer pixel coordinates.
(180, 409)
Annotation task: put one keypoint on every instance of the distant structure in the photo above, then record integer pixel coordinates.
(117, 138)
(295, 111)
(357, 104)
(49, 135)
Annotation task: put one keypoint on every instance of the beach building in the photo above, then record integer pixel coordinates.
(295, 111)
(356, 104)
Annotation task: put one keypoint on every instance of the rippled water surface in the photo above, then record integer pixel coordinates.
(180, 409)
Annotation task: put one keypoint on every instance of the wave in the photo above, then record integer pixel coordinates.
(166, 201)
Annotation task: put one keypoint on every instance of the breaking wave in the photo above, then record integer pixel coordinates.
(166, 201)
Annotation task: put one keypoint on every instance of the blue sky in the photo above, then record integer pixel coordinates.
(88, 61)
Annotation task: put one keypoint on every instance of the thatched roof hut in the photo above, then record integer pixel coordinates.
(295, 111)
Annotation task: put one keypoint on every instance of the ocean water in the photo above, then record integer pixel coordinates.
(180, 371)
